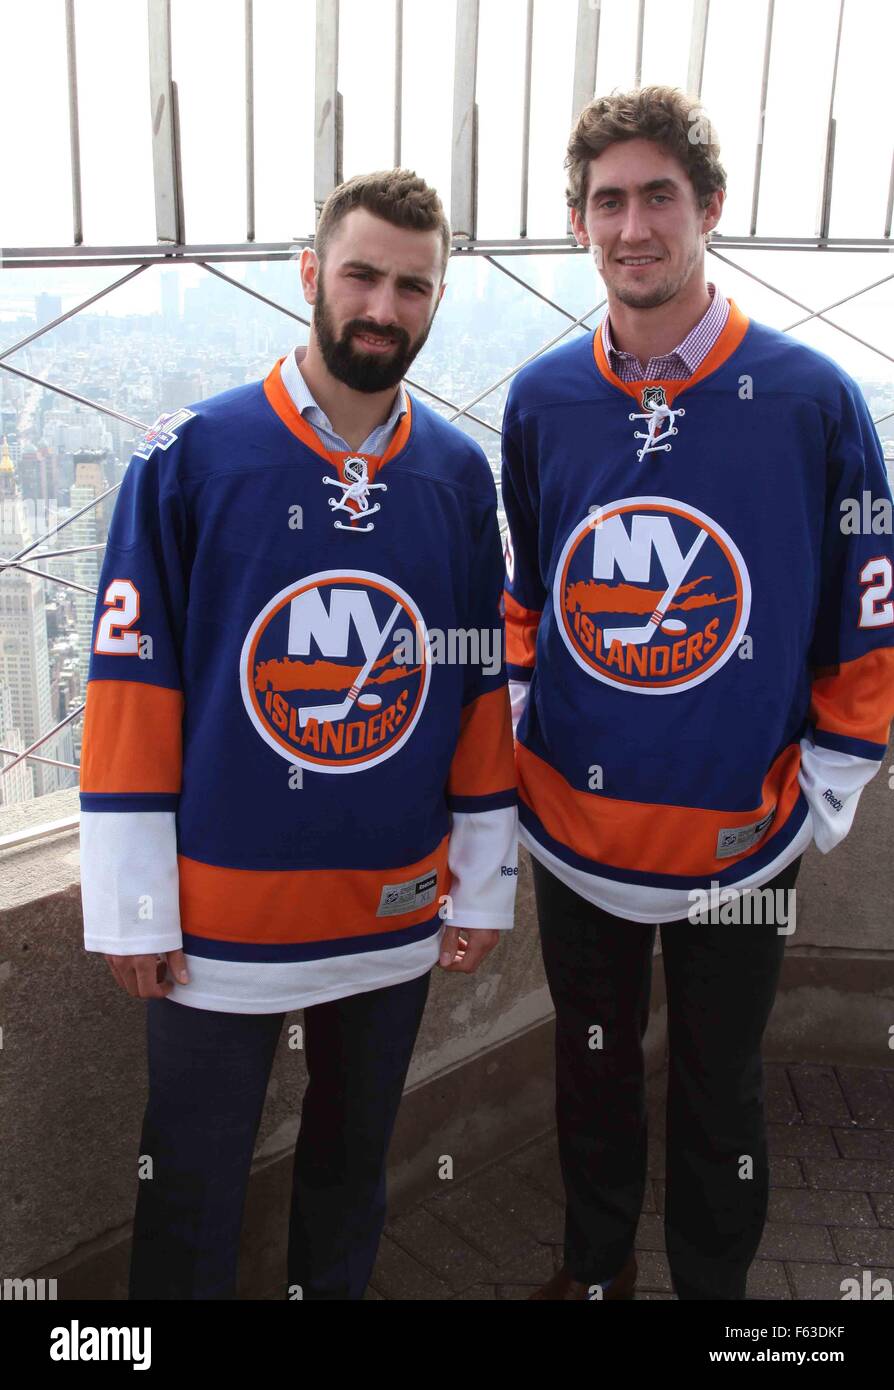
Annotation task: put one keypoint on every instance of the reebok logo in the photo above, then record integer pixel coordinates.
(833, 800)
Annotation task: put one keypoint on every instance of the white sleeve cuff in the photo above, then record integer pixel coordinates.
(130, 885)
(482, 855)
(832, 783)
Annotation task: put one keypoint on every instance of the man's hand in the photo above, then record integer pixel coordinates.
(144, 976)
(465, 948)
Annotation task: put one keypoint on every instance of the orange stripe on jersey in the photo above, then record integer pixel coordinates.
(730, 337)
(291, 416)
(132, 737)
(521, 632)
(857, 697)
(649, 838)
(483, 762)
(284, 906)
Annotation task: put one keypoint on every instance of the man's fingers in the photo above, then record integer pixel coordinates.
(449, 946)
(473, 946)
(177, 966)
(143, 977)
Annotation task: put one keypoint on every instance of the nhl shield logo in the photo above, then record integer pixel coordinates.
(320, 675)
(652, 397)
(355, 469)
(651, 595)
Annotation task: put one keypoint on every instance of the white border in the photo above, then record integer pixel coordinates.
(589, 523)
(363, 576)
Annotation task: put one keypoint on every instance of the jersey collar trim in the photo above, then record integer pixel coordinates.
(730, 337)
(281, 403)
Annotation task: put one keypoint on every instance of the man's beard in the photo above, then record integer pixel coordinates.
(363, 371)
(658, 294)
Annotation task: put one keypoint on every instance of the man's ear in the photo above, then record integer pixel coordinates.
(578, 227)
(309, 267)
(441, 291)
(714, 209)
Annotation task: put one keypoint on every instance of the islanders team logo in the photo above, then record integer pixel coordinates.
(320, 674)
(651, 595)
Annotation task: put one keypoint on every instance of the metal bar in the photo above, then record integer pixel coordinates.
(890, 209)
(791, 298)
(502, 248)
(586, 53)
(249, 121)
(846, 299)
(825, 201)
(168, 207)
(154, 252)
(464, 146)
(39, 832)
(398, 78)
(55, 554)
(451, 405)
(66, 521)
(37, 758)
(697, 43)
(327, 163)
(45, 257)
(74, 126)
(73, 396)
(69, 313)
(42, 574)
(44, 738)
(254, 293)
(532, 356)
(530, 288)
(638, 59)
(526, 120)
(759, 151)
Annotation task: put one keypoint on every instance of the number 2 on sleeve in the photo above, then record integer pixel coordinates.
(123, 608)
(876, 604)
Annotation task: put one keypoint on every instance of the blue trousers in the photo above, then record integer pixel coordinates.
(721, 982)
(208, 1075)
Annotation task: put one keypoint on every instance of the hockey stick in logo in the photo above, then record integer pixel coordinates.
(636, 636)
(332, 713)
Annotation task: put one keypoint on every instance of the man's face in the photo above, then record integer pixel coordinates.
(374, 298)
(642, 215)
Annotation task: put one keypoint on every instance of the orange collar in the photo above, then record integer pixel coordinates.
(731, 336)
(288, 412)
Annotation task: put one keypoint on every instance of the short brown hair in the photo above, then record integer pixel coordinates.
(397, 195)
(663, 114)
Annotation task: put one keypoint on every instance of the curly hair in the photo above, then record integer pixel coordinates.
(663, 114)
(398, 196)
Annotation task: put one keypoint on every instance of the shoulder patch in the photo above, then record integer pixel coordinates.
(162, 434)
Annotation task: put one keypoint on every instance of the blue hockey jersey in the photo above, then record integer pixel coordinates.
(291, 766)
(700, 615)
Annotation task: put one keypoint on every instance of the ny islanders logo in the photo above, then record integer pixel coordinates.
(651, 595)
(319, 674)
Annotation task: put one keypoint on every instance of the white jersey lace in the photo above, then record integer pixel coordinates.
(356, 489)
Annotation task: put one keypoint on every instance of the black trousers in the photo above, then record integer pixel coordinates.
(208, 1074)
(721, 983)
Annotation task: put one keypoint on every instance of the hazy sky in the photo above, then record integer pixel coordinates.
(208, 66)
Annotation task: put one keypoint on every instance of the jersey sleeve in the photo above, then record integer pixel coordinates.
(131, 752)
(481, 789)
(524, 594)
(852, 700)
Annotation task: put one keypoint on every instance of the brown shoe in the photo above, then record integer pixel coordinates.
(562, 1286)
